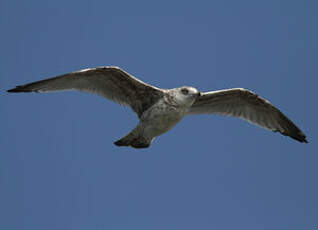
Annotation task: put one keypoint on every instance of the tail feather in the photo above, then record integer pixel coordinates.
(121, 142)
(134, 141)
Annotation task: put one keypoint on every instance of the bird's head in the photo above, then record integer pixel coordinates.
(185, 95)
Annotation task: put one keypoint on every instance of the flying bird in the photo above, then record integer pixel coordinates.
(159, 110)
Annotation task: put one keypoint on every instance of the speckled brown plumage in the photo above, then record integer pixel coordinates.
(160, 109)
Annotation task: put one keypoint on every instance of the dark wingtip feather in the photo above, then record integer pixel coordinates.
(19, 89)
(298, 136)
(301, 138)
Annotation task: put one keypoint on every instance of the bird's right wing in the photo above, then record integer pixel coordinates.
(110, 82)
(248, 106)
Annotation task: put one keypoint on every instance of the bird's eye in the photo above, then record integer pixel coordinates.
(184, 91)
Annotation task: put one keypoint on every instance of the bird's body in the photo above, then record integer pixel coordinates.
(158, 119)
(159, 110)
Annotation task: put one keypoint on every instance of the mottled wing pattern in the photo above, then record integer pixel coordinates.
(247, 105)
(109, 82)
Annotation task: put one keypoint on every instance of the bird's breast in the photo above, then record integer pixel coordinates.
(161, 118)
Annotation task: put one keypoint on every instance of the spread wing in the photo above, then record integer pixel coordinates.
(109, 82)
(247, 105)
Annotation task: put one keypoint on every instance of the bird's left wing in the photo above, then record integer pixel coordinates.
(110, 82)
(248, 106)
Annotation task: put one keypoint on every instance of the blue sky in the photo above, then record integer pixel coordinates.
(59, 168)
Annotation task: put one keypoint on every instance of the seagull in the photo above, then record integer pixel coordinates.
(159, 110)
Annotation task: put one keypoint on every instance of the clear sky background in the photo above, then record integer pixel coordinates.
(59, 168)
